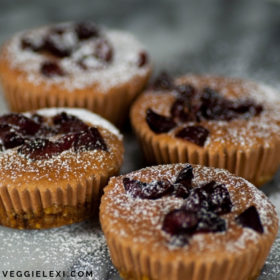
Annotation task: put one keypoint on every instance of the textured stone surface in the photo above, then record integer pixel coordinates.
(237, 38)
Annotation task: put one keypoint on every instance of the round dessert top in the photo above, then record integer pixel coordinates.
(76, 56)
(53, 147)
(186, 208)
(208, 111)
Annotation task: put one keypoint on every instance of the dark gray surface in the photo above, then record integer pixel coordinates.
(237, 38)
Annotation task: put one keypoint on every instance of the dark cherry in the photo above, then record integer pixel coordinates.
(198, 199)
(211, 197)
(21, 123)
(180, 110)
(157, 189)
(27, 43)
(12, 140)
(86, 30)
(195, 134)
(180, 221)
(4, 129)
(163, 82)
(39, 148)
(65, 123)
(143, 59)
(250, 218)
(67, 141)
(51, 69)
(185, 91)
(183, 221)
(219, 200)
(159, 123)
(209, 222)
(134, 187)
(185, 176)
(216, 107)
(153, 190)
(52, 46)
(103, 50)
(247, 106)
(183, 183)
(181, 190)
(90, 139)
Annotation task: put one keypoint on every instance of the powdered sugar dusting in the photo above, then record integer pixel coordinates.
(122, 69)
(146, 216)
(20, 171)
(84, 115)
(75, 248)
(263, 129)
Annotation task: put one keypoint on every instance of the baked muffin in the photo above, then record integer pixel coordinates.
(187, 222)
(54, 164)
(213, 121)
(74, 65)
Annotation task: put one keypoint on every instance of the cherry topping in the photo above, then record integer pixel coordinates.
(183, 183)
(179, 111)
(103, 50)
(197, 200)
(200, 211)
(219, 199)
(21, 123)
(39, 148)
(195, 134)
(11, 140)
(154, 190)
(216, 107)
(186, 90)
(17, 130)
(27, 43)
(51, 69)
(180, 221)
(192, 105)
(159, 123)
(209, 222)
(53, 44)
(185, 176)
(250, 218)
(65, 123)
(86, 30)
(163, 82)
(143, 59)
(210, 196)
(90, 139)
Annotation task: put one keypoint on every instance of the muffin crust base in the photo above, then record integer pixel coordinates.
(49, 217)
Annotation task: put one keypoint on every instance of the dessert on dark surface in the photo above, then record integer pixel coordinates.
(185, 221)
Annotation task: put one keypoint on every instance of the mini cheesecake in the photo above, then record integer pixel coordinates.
(182, 221)
(213, 121)
(74, 65)
(54, 164)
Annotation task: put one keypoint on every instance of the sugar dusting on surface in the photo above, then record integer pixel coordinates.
(60, 167)
(121, 207)
(238, 132)
(84, 115)
(122, 69)
(78, 247)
